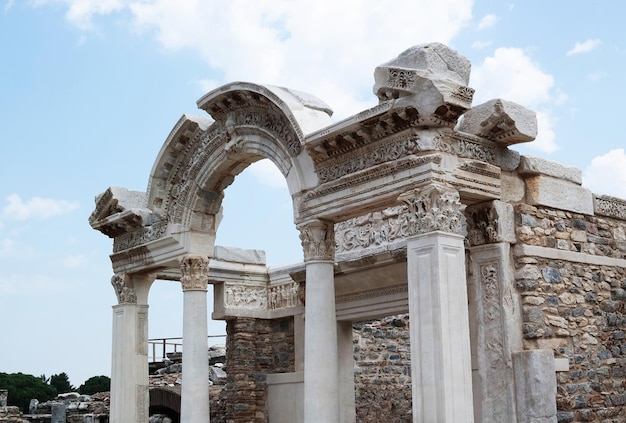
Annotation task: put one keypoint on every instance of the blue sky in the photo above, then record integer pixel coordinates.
(89, 91)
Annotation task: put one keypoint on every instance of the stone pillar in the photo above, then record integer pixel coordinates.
(439, 331)
(194, 406)
(129, 365)
(535, 384)
(58, 412)
(4, 394)
(345, 349)
(321, 390)
(494, 310)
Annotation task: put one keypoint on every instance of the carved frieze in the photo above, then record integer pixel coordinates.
(372, 293)
(605, 205)
(245, 297)
(318, 240)
(436, 207)
(285, 296)
(373, 229)
(194, 273)
(140, 236)
(125, 294)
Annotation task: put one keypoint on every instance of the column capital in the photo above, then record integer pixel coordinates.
(122, 284)
(434, 207)
(195, 272)
(318, 240)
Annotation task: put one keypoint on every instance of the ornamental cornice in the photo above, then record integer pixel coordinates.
(194, 272)
(318, 240)
(435, 207)
(125, 294)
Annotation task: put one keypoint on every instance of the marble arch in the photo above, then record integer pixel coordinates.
(388, 203)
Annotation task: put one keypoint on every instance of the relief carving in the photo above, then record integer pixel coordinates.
(245, 297)
(125, 294)
(285, 296)
(372, 229)
(492, 340)
(195, 273)
(318, 241)
(140, 236)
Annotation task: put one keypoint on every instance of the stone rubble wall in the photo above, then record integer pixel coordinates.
(576, 309)
(382, 372)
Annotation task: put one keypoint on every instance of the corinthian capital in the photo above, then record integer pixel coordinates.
(435, 207)
(125, 294)
(195, 272)
(318, 240)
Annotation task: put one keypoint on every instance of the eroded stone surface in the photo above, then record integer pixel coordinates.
(548, 191)
(502, 121)
(431, 77)
(530, 165)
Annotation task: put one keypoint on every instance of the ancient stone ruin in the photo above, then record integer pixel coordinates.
(503, 277)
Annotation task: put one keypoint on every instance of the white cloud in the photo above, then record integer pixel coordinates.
(327, 48)
(487, 21)
(267, 174)
(82, 12)
(74, 261)
(511, 74)
(584, 47)
(35, 208)
(606, 174)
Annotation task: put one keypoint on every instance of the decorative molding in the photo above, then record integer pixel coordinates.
(140, 236)
(125, 294)
(195, 272)
(605, 205)
(318, 240)
(372, 293)
(436, 207)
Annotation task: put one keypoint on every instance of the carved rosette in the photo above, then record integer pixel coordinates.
(195, 273)
(436, 207)
(125, 294)
(318, 241)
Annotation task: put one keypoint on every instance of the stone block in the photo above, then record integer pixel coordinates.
(501, 121)
(530, 166)
(512, 187)
(535, 382)
(239, 255)
(432, 78)
(547, 191)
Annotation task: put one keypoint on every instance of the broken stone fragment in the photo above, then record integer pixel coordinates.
(432, 78)
(501, 121)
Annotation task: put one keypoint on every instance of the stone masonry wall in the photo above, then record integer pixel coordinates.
(255, 347)
(382, 373)
(577, 309)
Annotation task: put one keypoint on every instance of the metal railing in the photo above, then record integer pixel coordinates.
(164, 346)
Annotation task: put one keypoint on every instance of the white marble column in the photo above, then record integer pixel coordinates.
(194, 406)
(321, 390)
(440, 342)
(129, 359)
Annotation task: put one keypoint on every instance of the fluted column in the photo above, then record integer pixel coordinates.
(129, 358)
(194, 406)
(439, 333)
(321, 387)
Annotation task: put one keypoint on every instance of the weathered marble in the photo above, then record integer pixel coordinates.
(548, 191)
(530, 166)
(501, 121)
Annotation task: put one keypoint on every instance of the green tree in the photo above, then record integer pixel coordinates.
(95, 384)
(22, 388)
(62, 383)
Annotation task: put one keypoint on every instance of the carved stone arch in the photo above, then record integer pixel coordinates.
(201, 157)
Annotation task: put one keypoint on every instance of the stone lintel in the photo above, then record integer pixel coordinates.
(501, 121)
(239, 255)
(560, 194)
(531, 166)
